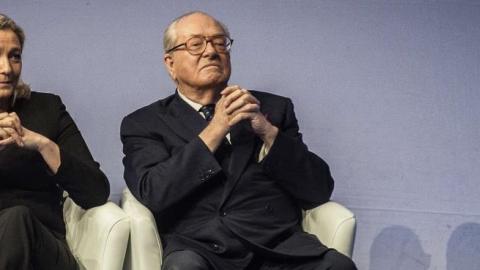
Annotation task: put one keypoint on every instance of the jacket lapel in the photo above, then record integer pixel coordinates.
(183, 119)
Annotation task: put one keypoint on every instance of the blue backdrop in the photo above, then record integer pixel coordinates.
(386, 91)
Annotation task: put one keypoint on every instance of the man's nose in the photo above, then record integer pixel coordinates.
(210, 49)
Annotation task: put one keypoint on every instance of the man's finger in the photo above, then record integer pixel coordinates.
(249, 108)
(240, 102)
(229, 89)
(241, 116)
(232, 97)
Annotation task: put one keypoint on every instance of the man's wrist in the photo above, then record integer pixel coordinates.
(217, 130)
(270, 135)
(213, 135)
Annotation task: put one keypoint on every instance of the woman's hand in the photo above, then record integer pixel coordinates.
(12, 132)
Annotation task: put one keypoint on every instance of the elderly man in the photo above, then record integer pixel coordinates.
(224, 169)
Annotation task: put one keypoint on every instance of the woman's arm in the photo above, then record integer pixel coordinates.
(65, 154)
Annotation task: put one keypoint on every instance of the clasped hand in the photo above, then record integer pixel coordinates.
(237, 104)
(12, 132)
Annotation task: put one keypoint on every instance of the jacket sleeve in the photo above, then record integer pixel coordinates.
(302, 173)
(78, 173)
(159, 174)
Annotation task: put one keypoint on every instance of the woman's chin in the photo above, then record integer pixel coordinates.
(5, 93)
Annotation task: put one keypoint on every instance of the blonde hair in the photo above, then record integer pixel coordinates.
(22, 90)
(170, 34)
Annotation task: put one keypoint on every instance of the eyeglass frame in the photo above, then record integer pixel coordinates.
(206, 40)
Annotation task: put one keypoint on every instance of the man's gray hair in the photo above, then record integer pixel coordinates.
(170, 35)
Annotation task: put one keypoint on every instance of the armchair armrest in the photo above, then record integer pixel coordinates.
(333, 224)
(98, 236)
(144, 248)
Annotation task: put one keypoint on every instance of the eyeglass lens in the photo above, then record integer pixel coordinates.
(198, 44)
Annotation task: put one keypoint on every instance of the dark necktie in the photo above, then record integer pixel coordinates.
(208, 111)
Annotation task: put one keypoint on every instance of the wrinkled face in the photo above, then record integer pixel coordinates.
(195, 72)
(10, 62)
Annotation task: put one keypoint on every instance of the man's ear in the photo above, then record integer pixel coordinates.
(168, 61)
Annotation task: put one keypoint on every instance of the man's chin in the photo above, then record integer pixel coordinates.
(220, 84)
(215, 80)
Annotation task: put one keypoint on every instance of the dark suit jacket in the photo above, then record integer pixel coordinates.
(255, 208)
(25, 179)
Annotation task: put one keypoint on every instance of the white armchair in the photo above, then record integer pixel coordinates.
(331, 222)
(98, 236)
(144, 247)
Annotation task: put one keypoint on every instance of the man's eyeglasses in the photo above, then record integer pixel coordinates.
(196, 45)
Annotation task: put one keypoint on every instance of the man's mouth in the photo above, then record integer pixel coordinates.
(211, 65)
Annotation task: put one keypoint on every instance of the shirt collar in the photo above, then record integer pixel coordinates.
(193, 104)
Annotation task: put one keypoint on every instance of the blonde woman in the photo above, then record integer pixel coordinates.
(42, 154)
